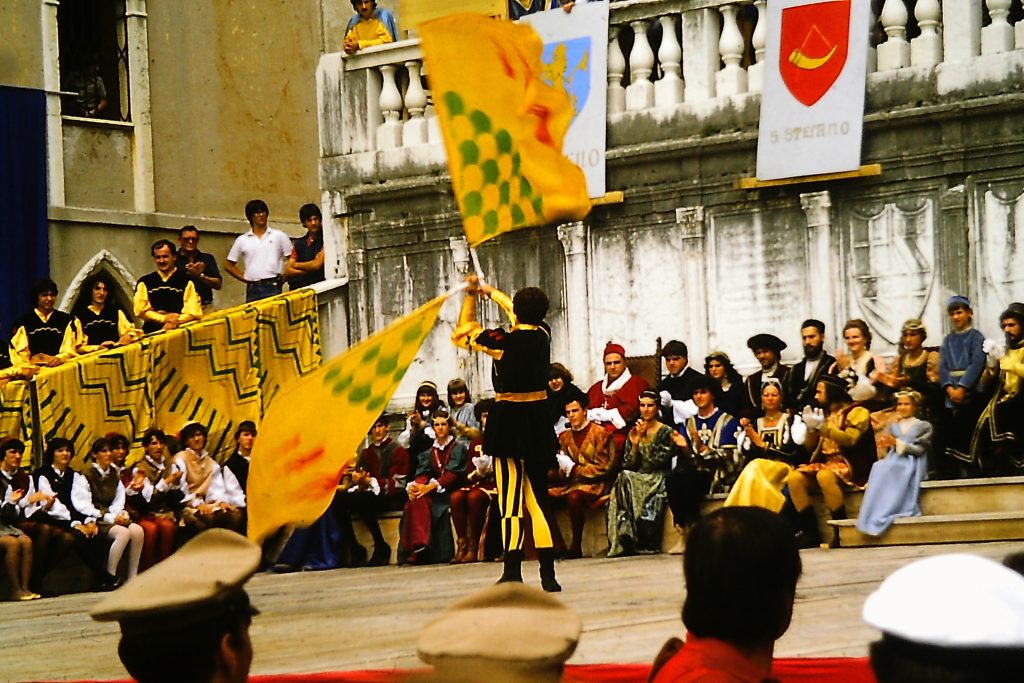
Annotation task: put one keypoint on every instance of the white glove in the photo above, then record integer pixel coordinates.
(814, 418)
(597, 415)
(565, 463)
(483, 464)
(994, 350)
(666, 399)
(683, 410)
(863, 390)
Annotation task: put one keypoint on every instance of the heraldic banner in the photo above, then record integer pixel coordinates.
(812, 105)
(217, 372)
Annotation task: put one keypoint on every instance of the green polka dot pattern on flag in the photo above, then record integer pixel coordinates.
(493, 193)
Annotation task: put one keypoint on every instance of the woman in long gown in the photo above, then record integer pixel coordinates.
(894, 485)
(728, 383)
(772, 445)
(639, 496)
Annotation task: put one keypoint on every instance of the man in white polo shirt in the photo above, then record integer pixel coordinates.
(264, 250)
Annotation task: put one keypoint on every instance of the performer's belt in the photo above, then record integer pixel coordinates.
(957, 373)
(521, 396)
(267, 281)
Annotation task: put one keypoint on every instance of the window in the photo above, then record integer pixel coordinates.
(93, 37)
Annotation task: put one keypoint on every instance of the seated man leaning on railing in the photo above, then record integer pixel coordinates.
(370, 26)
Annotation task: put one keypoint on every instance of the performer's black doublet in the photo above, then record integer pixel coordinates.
(99, 327)
(44, 337)
(164, 295)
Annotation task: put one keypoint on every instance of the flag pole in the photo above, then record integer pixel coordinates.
(476, 264)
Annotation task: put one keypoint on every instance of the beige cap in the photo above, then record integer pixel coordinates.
(951, 601)
(507, 632)
(201, 581)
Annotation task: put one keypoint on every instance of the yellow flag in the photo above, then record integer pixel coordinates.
(313, 429)
(503, 126)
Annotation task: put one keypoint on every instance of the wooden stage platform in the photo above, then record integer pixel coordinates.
(369, 618)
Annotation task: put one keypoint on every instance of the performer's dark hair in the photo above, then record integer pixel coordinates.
(455, 385)
(187, 228)
(578, 397)
(558, 370)
(116, 440)
(356, 2)
(98, 445)
(858, 324)
(895, 660)
(253, 206)
(811, 322)
(150, 433)
(530, 305)
(308, 211)
(12, 445)
(160, 244)
(85, 298)
(54, 445)
(43, 286)
(191, 429)
(741, 567)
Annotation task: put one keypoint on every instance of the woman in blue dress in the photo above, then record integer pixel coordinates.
(894, 485)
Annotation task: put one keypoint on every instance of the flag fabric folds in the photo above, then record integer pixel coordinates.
(314, 427)
(503, 126)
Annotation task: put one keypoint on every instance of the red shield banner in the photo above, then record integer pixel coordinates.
(814, 43)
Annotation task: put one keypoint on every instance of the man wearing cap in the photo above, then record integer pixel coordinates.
(677, 385)
(803, 379)
(950, 618)
(192, 605)
(767, 348)
(615, 400)
(998, 443)
(741, 567)
(961, 362)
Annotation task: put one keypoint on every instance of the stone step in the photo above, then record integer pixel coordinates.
(928, 529)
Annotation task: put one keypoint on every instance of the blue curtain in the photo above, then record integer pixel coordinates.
(26, 250)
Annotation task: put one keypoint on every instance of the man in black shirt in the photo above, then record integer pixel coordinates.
(200, 267)
(306, 264)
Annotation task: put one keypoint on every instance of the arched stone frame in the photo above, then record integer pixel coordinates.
(124, 281)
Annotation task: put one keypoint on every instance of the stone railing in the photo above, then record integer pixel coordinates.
(662, 53)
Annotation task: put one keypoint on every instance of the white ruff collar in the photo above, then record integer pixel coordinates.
(609, 389)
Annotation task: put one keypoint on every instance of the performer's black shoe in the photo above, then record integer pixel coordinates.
(381, 555)
(356, 555)
(546, 557)
(513, 570)
(808, 536)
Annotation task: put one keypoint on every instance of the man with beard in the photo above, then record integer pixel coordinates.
(997, 444)
(767, 349)
(803, 379)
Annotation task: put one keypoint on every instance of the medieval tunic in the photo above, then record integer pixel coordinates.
(12, 512)
(638, 498)
(108, 324)
(99, 496)
(894, 484)
(593, 450)
(160, 498)
(752, 385)
(156, 296)
(620, 399)
(35, 333)
(426, 521)
(846, 446)
(961, 362)
(803, 380)
(695, 474)
(1002, 421)
(52, 482)
(761, 482)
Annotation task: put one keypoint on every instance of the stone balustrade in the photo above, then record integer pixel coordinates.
(662, 54)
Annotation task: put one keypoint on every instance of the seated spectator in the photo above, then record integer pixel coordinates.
(916, 368)
(727, 384)
(461, 405)
(208, 501)
(426, 521)
(165, 298)
(587, 466)
(418, 434)
(678, 384)
(370, 26)
(998, 443)
(741, 569)
(474, 505)
(560, 389)
(842, 446)
(44, 336)
(638, 499)
(938, 625)
(160, 500)
(305, 266)
(615, 400)
(200, 267)
(867, 366)
(771, 446)
(894, 484)
(322, 544)
(375, 485)
(238, 463)
(101, 323)
(98, 495)
(708, 460)
(16, 495)
(767, 349)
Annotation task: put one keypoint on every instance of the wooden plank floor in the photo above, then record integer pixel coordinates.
(369, 618)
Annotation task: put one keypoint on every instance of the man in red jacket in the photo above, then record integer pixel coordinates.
(615, 400)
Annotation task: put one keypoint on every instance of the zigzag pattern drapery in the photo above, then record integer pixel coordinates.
(218, 372)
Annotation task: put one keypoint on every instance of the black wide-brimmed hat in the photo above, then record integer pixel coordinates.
(766, 341)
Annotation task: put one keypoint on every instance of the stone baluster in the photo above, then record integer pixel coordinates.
(732, 78)
(669, 89)
(640, 91)
(700, 45)
(894, 53)
(961, 35)
(926, 49)
(872, 56)
(616, 69)
(389, 135)
(1018, 34)
(998, 35)
(414, 131)
(755, 72)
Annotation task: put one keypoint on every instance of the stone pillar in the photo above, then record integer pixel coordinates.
(335, 234)
(961, 36)
(460, 255)
(575, 239)
(700, 50)
(138, 95)
(821, 275)
(954, 243)
(359, 322)
(693, 232)
(51, 83)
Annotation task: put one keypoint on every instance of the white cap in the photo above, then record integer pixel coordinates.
(951, 601)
